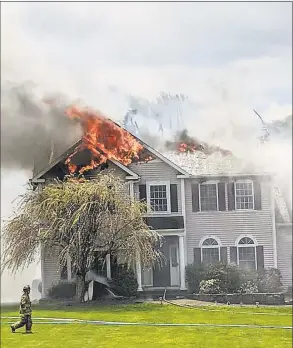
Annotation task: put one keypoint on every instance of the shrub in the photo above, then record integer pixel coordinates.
(194, 275)
(269, 280)
(249, 287)
(210, 286)
(124, 281)
(62, 290)
(248, 281)
(228, 276)
(232, 279)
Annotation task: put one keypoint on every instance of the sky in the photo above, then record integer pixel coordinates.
(229, 58)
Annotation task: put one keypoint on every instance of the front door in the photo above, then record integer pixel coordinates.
(174, 265)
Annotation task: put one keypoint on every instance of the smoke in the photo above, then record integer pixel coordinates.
(30, 123)
(34, 128)
(219, 124)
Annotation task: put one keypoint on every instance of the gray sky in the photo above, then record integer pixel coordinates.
(227, 57)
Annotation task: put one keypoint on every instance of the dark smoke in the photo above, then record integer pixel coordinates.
(185, 143)
(29, 127)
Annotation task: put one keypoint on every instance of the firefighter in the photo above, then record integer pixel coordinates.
(25, 311)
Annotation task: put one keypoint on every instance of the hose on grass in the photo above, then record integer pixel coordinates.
(59, 321)
(63, 321)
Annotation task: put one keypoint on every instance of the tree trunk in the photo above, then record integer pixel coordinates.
(80, 287)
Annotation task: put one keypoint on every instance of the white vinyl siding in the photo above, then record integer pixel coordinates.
(229, 225)
(284, 253)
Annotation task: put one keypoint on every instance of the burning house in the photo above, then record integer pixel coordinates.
(207, 204)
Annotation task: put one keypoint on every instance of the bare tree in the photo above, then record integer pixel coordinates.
(81, 217)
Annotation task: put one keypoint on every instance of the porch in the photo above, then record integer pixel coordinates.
(171, 274)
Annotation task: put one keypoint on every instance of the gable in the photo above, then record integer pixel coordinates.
(154, 170)
(50, 160)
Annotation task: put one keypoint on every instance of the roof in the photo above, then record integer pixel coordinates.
(199, 164)
(39, 173)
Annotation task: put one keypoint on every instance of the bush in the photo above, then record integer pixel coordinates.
(210, 286)
(194, 275)
(270, 280)
(248, 281)
(62, 290)
(232, 279)
(124, 281)
(249, 287)
(228, 276)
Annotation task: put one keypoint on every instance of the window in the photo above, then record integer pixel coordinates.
(159, 197)
(208, 197)
(210, 251)
(244, 195)
(246, 253)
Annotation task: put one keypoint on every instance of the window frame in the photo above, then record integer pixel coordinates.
(209, 182)
(168, 194)
(244, 181)
(254, 245)
(218, 246)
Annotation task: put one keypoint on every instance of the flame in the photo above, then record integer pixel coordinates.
(184, 143)
(205, 148)
(103, 138)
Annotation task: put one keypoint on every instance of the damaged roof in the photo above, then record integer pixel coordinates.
(197, 164)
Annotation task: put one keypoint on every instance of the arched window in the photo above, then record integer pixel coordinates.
(210, 251)
(246, 253)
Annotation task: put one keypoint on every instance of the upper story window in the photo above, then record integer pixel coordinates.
(244, 195)
(158, 197)
(210, 251)
(246, 253)
(208, 197)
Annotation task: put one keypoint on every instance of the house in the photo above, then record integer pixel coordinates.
(207, 208)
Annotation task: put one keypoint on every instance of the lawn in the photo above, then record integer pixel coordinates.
(75, 335)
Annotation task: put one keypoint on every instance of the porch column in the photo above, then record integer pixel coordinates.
(42, 253)
(182, 263)
(138, 273)
(108, 266)
(69, 273)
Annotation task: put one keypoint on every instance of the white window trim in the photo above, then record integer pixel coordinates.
(246, 246)
(214, 182)
(244, 181)
(157, 183)
(210, 246)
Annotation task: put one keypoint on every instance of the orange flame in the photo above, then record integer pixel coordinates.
(206, 149)
(103, 138)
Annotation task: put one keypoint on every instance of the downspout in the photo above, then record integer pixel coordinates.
(42, 251)
(183, 208)
(138, 264)
(274, 232)
(42, 270)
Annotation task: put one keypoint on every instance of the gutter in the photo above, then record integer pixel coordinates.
(191, 176)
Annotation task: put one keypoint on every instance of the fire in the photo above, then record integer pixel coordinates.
(205, 148)
(103, 138)
(184, 143)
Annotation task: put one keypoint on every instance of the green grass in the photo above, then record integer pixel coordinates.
(80, 335)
